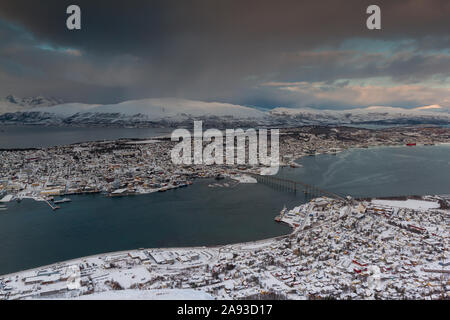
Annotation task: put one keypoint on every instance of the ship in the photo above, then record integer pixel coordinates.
(294, 165)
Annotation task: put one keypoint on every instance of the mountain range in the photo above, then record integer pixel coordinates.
(171, 112)
(12, 103)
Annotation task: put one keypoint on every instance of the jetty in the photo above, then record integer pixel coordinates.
(51, 206)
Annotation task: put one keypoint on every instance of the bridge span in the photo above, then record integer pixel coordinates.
(294, 186)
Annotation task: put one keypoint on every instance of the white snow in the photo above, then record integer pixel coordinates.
(357, 111)
(130, 294)
(158, 109)
(409, 204)
(244, 179)
(373, 113)
(14, 104)
(7, 198)
(143, 142)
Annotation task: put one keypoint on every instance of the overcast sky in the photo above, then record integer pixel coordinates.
(256, 53)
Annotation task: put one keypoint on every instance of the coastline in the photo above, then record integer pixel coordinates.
(142, 270)
(244, 174)
(265, 242)
(39, 199)
(250, 244)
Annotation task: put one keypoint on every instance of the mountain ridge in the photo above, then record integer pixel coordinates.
(181, 112)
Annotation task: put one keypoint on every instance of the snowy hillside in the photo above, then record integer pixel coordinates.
(158, 109)
(12, 103)
(374, 114)
(170, 112)
(154, 112)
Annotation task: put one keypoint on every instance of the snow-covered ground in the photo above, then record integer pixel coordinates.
(409, 204)
(337, 249)
(159, 109)
(130, 294)
(7, 198)
(173, 110)
(244, 179)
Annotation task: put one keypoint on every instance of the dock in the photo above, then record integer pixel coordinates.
(50, 205)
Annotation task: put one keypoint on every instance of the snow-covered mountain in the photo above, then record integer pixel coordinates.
(152, 112)
(158, 109)
(169, 112)
(374, 114)
(12, 103)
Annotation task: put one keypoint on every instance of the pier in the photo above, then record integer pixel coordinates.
(50, 205)
(295, 186)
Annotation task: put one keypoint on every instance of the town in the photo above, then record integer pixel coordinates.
(127, 166)
(338, 249)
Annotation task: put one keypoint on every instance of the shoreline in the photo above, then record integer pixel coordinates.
(293, 163)
(225, 245)
(264, 242)
(117, 253)
(192, 268)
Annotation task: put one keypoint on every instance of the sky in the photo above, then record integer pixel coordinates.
(258, 53)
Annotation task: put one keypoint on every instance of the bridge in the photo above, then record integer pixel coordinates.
(294, 186)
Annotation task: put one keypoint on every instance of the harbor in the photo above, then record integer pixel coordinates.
(335, 250)
(215, 215)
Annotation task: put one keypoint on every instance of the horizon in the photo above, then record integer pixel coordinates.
(293, 54)
(56, 103)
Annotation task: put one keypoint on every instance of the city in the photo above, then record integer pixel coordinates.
(340, 248)
(126, 167)
(351, 249)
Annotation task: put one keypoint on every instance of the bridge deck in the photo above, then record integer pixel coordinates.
(294, 186)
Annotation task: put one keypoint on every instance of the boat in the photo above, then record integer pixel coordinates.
(62, 201)
(282, 212)
(411, 144)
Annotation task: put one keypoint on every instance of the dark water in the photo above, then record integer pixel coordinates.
(382, 171)
(40, 136)
(31, 234)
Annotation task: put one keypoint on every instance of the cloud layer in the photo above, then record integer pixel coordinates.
(259, 53)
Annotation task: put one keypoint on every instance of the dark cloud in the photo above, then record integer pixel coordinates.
(134, 25)
(212, 50)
